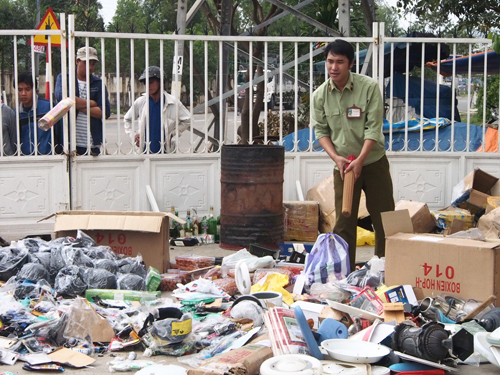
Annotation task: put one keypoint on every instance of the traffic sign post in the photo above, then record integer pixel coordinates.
(48, 22)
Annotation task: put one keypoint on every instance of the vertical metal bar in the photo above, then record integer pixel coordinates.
(35, 105)
(177, 94)
(103, 103)
(72, 80)
(281, 90)
(235, 87)
(421, 119)
(206, 94)
(381, 56)
(16, 97)
(132, 94)
(266, 88)
(64, 77)
(453, 98)
(485, 95)
(437, 95)
(89, 144)
(468, 98)
(391, 96)
(250, 79)
(147, 143)
(296, 89)
(221, 91)
(164, 137)
(407, 84)
(357, 57)
(311, 108)
(191, 96)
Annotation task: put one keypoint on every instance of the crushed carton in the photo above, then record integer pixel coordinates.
(243, 361)
(301, 220)
(422, 219)
(489, 224)
(324, 194)
(127, 233)
(472, 192)
(437, 264)
(451, 216)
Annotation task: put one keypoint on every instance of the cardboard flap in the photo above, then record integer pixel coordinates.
(71, 357)
(140, 222)
(396, 222)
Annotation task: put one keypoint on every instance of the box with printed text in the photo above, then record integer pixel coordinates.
(126, 233)
(437, 264)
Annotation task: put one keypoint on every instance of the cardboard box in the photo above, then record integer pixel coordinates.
(489, 224)
(437, 264)
(324, 194)
(127, 233)
(472, 192)
(422, 219)
(394, 311)
(329, 312)
(301, 220)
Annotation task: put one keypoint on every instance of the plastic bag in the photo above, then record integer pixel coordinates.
(133, 265)
(99, 279)
(329, 291)
(328, 260)
(70, 282)
(131, 282)
(274, 282)
(106, 264)
(371, 274)
(364, 236)
(11, 261)
(205, 286)
(32, 272)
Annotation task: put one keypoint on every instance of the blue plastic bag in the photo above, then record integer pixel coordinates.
(328, 260)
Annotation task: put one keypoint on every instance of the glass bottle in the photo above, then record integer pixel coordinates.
(174, 225)
(188, 226)
(212, 223)
(196, 224)
(204, 225)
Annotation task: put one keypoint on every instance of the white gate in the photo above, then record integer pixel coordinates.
(188, 177)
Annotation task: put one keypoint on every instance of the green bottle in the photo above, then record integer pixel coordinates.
(204, 225)
(212, 223)
(217, 234)
(174, 225)
(188, 226)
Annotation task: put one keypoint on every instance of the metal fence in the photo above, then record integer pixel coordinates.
(425, 111)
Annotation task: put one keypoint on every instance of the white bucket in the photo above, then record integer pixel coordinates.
(273, 297)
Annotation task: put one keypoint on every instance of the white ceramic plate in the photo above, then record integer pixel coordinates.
(353, 351)
(353, 311)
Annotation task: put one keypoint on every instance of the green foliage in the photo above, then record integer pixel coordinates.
(469, 15)
(492, 97)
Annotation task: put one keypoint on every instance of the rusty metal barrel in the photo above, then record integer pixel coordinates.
(251, 196)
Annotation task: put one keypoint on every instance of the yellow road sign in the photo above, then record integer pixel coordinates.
(48, 22)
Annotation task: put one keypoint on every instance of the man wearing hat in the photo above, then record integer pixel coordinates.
(159, 117)
(86, 56)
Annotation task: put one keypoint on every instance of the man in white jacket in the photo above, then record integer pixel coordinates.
(162, 120)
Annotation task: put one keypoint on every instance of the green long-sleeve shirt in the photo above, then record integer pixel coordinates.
(330, 117)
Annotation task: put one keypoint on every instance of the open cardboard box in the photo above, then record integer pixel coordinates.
(127, 233)
(437, 264)
(479, 185)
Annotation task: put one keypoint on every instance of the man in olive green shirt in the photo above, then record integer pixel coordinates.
(347, 117)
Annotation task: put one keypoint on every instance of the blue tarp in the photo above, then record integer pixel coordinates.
(398, 139)
(445, 96)
(476, 62)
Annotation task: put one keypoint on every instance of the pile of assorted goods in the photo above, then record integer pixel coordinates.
(429, 305)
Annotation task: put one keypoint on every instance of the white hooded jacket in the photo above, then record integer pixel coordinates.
(139, 109)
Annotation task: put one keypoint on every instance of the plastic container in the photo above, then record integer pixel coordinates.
(169, 281)
(153, 279)
(193, 262)
(260, 273)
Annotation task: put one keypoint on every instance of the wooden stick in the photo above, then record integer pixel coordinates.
(480, 308)
(348, 192)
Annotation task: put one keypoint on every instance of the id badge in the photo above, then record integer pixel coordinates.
(353, 112)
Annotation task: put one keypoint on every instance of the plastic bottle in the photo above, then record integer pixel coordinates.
(179, 226)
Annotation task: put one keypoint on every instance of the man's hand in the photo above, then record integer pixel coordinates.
(341, 164)
(356, 166)
(137, 139)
